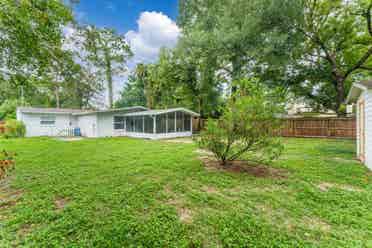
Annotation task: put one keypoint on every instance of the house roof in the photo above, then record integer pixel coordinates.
(50, 110)
(162, 111)
(357, 89)
(140, 108)
(141, 111)
(74, 111)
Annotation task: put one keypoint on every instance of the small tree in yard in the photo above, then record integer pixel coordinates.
(248, 126)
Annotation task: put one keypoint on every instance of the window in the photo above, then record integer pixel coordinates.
(48, 120)
(130, 124)
(187, 123)
(149, 124)
(179, 122)
(171, 123)
(138, 124)
(119, 122)
(161, 123)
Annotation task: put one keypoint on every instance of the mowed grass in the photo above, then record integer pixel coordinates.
(121, 192)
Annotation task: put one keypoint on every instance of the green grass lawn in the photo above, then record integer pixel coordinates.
(122, 192)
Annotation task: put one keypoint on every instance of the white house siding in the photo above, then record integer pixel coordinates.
(361, 98)
(366, 96)
(368, 128)
(88, 125)
(34, 128)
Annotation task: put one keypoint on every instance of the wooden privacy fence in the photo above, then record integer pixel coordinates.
(319, 127)
(309, 127)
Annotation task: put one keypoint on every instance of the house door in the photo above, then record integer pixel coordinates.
(362, 138)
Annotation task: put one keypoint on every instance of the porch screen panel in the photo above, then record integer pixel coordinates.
(171, 123)
(179, 122)
(149, 124)
(187, 123)
(138, 126)
(130, 124)
(161, 123)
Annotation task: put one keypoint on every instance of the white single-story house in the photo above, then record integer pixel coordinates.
(132, 121)
(361, 94)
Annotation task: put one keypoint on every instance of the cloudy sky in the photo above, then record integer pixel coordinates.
(147, 24)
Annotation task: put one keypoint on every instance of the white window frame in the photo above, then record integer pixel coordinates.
(47, 120)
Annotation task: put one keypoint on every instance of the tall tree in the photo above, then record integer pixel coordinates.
(337, 48)
(31, 39)
(108, 52)
(243, 32)
(133, 93)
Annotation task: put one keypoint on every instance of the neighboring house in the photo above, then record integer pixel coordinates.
(133, 121)
(361, 94)
(299, 107)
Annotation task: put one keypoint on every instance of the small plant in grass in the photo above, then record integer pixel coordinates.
(248, 125)
(6, 162)
(14, 129)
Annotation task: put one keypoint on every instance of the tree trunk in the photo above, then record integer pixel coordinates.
(56, 92)
(201, 114)
(109, 79)
(340, 89)
(237, 66)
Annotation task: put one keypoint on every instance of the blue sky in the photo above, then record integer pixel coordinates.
(122, 14)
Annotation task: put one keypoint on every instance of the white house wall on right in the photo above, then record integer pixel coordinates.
(361, 95)
(364, 128)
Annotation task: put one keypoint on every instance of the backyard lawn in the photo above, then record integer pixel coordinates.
(121, 192)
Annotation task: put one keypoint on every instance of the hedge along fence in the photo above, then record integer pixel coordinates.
(308, 127)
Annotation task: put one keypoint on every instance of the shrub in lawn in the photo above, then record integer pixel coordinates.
(14, 129)
(247, 126)
(6, 163)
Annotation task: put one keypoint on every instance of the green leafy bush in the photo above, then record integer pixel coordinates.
(14, 129)
(8, 109)
(248, 126)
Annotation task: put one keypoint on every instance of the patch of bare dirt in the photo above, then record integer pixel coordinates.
(60, 203)
(185, 215)
(239, 166)
(315, 223)
(203, 152)
(180, 140)
(210, 189)
(8, 196)
(25, 229)
(281, 217)
(325, 186)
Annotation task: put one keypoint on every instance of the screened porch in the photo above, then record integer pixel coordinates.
(156, 123)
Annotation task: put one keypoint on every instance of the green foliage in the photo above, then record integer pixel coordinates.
(34, 63)
(132, 93)
(14, 129)
(247, 126)
(8, 109)
(335, 51)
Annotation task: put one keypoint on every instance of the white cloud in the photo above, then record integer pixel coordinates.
(155, 30)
